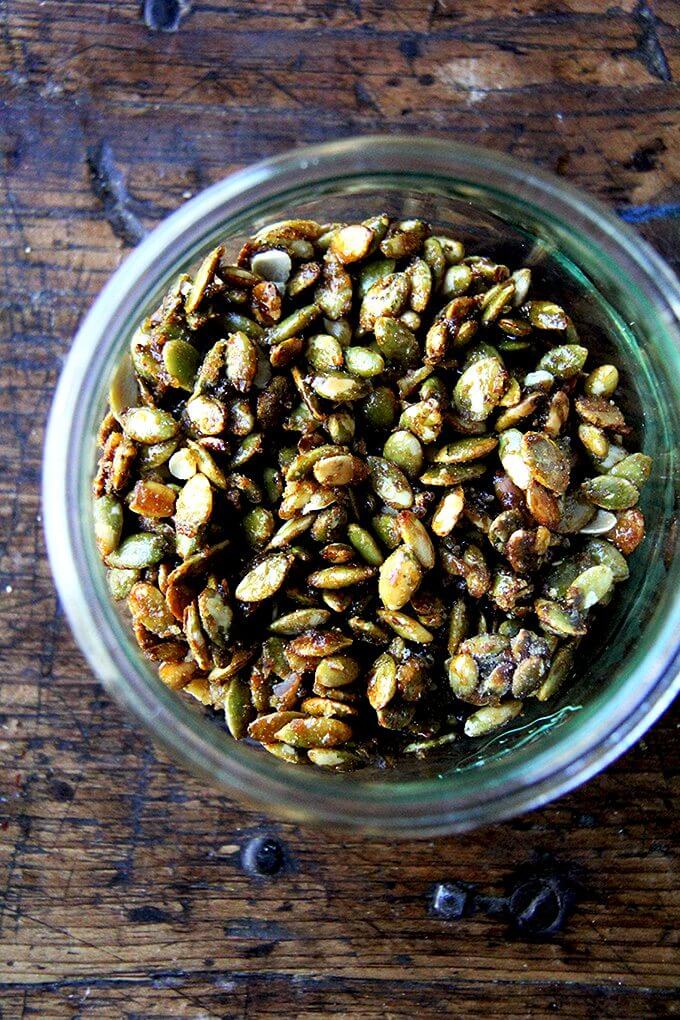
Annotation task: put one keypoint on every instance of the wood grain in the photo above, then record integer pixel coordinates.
(122, 888)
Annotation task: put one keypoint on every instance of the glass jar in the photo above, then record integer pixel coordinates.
(626, 303)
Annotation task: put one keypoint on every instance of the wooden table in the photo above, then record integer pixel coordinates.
(123, 885)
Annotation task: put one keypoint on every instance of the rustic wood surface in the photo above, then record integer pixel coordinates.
(122, 886)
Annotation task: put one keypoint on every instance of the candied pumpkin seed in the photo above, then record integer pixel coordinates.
(417, 468)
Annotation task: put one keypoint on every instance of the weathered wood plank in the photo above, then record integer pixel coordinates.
(122, 890)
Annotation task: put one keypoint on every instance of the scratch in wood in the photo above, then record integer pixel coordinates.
(137, 803)
(108, 184)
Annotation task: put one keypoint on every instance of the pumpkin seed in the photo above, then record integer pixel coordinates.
(265, 578)
(480, 388)
(452, 474)
(315, 733)
(138, 551)
(238, 708)
(545, 461)
(405, 626)
(464, 450)
(636, 468)
(424, 419)
(365, 544)
(486, 720)
(546, 315)
(448, 512)
(610, 492)
(364, 362)
(396, 341)
(352, 243)
(390, 483)
(390, 492)
(387, 297)
(380, 408)
(382, 681)
(338, 386)
(602, 381)
(400, 577)
(374, 271)
(339, 577)
(340, 760)
(149, 425)
(336, 671)
(121, 581)
(590, 587)
(403, 449)
(416, 539)
(564, 362)
(108, 524)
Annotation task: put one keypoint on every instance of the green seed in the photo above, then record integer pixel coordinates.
(600, 551)
(564, 362)
(390, 483)
(121, 581)
(464, 450)
(602, 381)
(380, 408)
(590, 587)
(338, 386)
(546, 315)
(108, 524)
(315, 733)
(365, 545)
(459, 625)
(324, 353)
(635, 468)
(457, 281)
(336, 671)
(452, 474)
(424, 419)
(149, 425)
(341, 427)
(364, 362)
(400, 577)
(181, 361)
(396, 341)
(238, 708)
(388, 296)
(374, 271)
(387, 530)
(293, 324)
(138, 551)
(610, 493)
(339, 577)
(403, 449)
(264, 579)
(405, 626)
(234, 322)
(480, 388)
(486, 720)
(258, 525)
(382, 681)
(557, 619)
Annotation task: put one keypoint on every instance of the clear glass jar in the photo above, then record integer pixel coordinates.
(626, 303)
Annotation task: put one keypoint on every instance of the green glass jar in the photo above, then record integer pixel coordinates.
(626, 304)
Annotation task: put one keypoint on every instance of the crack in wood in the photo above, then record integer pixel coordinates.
(108, 185)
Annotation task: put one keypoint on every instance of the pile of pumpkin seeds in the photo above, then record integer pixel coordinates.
(362, 491)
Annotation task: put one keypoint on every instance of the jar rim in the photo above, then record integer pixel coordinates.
(572, 757)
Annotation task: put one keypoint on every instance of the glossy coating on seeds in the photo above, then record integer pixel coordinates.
(363, 491)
